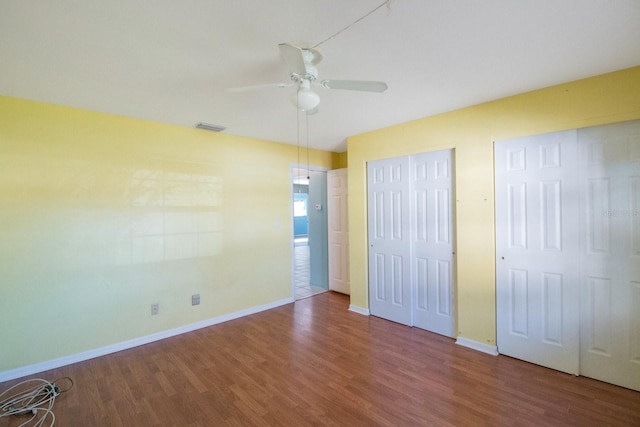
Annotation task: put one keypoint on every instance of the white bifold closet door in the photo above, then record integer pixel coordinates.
(610, 253)
(410, 229)
(432, 241)
(537, 292)
(568, 251)
(389, 240)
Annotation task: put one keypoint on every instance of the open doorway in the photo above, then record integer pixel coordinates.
(310, 253)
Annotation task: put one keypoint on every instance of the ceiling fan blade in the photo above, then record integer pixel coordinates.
(363, 85)
(293, 56)
(258, 87)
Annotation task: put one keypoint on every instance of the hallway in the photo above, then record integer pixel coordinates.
(301, 272)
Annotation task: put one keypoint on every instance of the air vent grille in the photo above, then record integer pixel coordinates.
(212, 128)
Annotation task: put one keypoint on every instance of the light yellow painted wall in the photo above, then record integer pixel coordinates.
(340, 160)
(470, 132)
(101, 216)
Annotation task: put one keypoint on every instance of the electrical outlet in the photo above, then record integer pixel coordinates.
(155, 309)
(195, 299)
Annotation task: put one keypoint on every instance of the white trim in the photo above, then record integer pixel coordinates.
(359, 310)
(125, 345)
(475, 345)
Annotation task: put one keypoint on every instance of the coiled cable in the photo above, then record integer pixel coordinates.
(36, 400)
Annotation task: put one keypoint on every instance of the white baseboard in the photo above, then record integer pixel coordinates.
(113, 348)
(475, 345)
(359, 310)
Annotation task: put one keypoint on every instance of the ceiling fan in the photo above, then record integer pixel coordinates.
(303, 73)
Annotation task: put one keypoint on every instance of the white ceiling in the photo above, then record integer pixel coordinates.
(171, 61)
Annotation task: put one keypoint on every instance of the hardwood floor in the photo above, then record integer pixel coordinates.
(316, 363)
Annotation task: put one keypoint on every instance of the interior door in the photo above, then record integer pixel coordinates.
(432, 241)
(610, 250)
(537, 291)
(338, 231)
(389, 244)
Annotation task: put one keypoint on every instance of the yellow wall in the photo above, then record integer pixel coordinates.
(101, 216)
(470, 132)
(339, 160)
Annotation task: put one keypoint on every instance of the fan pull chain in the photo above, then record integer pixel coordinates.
(308, 169)
(298, 140)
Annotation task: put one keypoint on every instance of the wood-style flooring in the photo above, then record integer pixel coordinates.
(316, 363)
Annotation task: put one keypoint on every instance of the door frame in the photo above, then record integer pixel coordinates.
(293, 167)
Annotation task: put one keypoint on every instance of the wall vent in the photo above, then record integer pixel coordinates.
(213, 128)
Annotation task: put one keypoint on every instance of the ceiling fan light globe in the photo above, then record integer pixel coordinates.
(305, 99)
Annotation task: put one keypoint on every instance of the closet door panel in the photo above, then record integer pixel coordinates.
(537, 292)
(388, 239)
(432, 241)
(610, 252)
